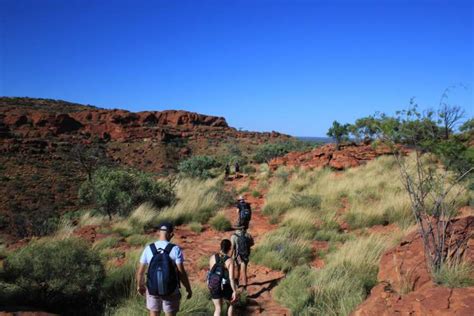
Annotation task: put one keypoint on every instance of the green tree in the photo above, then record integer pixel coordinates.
(338, 131)
(117, 191)
(198, 166)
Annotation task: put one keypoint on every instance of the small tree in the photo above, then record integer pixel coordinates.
(449, 115)
(116, 191)
(338, 131)
(198, 166)
(365, 127)
(90, 157)
(430, 188)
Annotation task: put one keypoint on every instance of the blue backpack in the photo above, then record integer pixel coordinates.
(162, 277)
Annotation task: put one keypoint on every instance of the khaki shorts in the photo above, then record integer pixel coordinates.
(167, 304)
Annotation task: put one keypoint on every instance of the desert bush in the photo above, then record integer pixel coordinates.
(203, 262)
(116, 191)
(256, 194)
(199, 304)
(197, 201)
(196, 227)
(249, 169)
(299, 223)
(457, 274)
(345, 281)
(220, 222)
(139, 240)
(105, 243)
(282, 174)
(282, 251)
(120, 282)
(198, 167)
(311, 201)
(143, 216)
(294, 291)
(57, 275)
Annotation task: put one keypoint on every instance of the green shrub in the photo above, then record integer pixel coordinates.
(116, 191)
(243, 189)
(282, 251)
(349, 274)
(309, 201)
(203, 262)
(196, 227)
(330, 235)
(119, 282)
(139, 240)
(197, 201)
(220, 223)
(249, 169)
(256, 194)
(198, 167)
(455, 275)
(106, 243)
(58, 275)
(199, 304)
(294, 291)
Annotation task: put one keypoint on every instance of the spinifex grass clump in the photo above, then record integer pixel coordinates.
(220, 222)
(280, 250)
(336, 289)
(197, 201)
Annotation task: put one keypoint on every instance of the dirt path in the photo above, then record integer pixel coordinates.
(198, 247)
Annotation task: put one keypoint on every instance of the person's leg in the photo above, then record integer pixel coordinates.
(153, 304)
(244, 274)
(237, 272)
(230, 311)
(217, 306)
(171, 304)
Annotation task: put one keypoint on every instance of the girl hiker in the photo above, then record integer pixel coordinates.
(221, 279)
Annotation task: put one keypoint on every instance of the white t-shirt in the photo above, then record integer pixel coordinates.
(176, 254)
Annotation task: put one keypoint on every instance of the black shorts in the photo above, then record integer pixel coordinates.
(225, 293)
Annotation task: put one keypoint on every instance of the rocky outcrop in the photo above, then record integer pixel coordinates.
(328, 156)
(40, 173)
(405, 284)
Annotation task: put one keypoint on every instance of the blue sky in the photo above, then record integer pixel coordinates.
(291, 66)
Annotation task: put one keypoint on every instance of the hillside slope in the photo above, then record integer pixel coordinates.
(40, 140)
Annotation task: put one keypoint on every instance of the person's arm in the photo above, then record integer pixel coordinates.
(183, 277)
(140, 281)
(230, 268)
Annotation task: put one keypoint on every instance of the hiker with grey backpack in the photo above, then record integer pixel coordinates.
(241, 242)
(164, 264)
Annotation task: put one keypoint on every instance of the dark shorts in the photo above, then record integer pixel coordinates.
(225, 293)
(238, 261)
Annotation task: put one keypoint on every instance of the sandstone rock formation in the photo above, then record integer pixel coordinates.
(327, 156)
(405, 284)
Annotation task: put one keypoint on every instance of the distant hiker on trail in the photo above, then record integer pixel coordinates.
(220, 279)
(241, 241)
(237, 168)
(165, 264)
(244, 213)
(227, 171)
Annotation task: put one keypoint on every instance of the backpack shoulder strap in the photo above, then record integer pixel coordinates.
(154, 251)
(169, 247)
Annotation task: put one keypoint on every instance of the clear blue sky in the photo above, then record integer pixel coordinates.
(291, 66)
